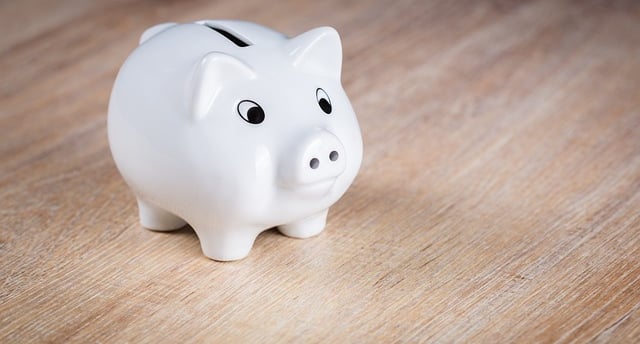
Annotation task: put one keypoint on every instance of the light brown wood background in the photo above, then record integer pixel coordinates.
(498, 201)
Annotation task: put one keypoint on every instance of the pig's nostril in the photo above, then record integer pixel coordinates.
(333, 156)
(314, 163)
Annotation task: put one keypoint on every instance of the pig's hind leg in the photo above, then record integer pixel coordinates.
(157, 219)
(306, 227)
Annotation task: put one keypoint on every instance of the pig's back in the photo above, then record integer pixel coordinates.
(149, 113)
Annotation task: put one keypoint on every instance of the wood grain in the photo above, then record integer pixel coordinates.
(498, 201)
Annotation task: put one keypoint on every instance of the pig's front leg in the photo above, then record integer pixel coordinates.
(226, 243)
(154, 218)
(306, 227)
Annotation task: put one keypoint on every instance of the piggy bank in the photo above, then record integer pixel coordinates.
(234, 128)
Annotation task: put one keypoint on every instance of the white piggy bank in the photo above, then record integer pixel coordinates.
(234, 128)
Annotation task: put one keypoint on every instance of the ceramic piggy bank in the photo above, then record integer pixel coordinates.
(234, 128)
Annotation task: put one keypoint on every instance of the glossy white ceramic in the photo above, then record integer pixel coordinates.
(234, 128)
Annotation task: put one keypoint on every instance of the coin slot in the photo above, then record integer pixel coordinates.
(228, 35)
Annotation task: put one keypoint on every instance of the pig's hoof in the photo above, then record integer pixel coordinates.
(227, 246)
(307, 227)
(154, 218)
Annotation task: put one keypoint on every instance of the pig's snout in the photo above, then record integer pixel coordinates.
(318, 158)
(324, 157)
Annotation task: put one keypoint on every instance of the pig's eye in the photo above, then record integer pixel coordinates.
(323, 100)
(251, 112)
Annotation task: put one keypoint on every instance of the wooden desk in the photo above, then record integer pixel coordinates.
(498, 201)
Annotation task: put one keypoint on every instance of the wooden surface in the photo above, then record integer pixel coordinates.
(498, 201)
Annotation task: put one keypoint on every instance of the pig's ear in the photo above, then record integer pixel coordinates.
(154, 30)
(317, 51)
(214, 72)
